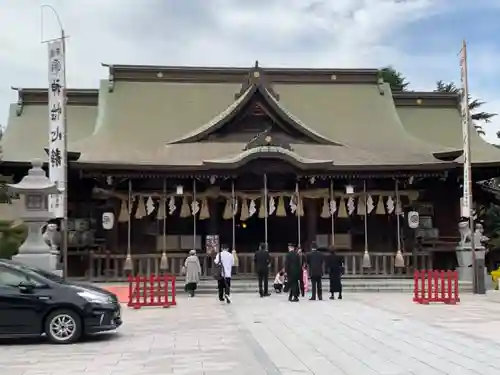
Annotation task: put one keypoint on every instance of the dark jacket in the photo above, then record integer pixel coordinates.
(293, 267)
(315, 260)
(335, 266)
(262, 261)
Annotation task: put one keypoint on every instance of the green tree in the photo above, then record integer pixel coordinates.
(478, 117)
(12, 235)
(394, 78)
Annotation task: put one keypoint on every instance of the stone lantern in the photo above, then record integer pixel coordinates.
(34, 190)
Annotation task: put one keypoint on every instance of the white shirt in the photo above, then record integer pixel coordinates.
(279, 279)
(227, 262)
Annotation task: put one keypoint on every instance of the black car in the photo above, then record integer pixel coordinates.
(34, 302)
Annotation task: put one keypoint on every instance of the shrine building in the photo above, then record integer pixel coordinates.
(186, 157)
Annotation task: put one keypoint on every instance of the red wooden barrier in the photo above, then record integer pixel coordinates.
(436, 286)
(144, 291)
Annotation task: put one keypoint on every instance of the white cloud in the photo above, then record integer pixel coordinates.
(298, 33)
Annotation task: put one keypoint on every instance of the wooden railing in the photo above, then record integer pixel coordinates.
(109, 267)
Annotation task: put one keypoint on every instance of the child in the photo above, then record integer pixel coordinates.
(279, 281)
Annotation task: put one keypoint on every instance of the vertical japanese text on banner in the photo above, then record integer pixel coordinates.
(57, 145)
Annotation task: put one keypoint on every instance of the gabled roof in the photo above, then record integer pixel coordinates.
(256, 83)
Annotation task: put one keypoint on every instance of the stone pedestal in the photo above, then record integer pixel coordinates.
(465, 269)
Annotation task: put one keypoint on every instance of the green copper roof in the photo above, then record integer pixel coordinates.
(27, 134)
(442, 126)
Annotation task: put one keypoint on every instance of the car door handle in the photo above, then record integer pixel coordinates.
(43, 297)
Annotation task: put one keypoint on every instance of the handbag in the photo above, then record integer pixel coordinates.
(217, 269)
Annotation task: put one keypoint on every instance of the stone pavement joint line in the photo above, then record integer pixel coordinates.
(365, 334)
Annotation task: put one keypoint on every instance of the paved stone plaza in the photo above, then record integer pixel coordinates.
(364, 334)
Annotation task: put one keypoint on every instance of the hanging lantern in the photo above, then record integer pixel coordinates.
(349, 189)
(123, 216)
(280, 211)
(140, 212)
(413, 219)
(204, 212)
(342, 209)
(108, 220)
(179, 190)
(262, 209)
(325, 210)
(228, 212)
(245, 214)
(185, 211)
(161, 210)
(380, 210)
(399, 261)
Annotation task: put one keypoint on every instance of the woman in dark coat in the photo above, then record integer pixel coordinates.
(335, 266)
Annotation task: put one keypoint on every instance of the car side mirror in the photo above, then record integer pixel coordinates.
(26, 287)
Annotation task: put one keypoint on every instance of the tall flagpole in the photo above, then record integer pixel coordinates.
(467, 183)
(58, 140)
(266, 212)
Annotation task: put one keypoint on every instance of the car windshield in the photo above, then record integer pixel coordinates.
(45, 274)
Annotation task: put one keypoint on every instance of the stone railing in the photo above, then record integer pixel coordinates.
(109, 267)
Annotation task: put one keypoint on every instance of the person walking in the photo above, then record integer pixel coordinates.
(224, 261)
(262, 262)
(192, 271)
(315, 261)
(335, 270)
(294, 272)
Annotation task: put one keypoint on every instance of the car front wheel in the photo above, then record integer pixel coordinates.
(63, 327)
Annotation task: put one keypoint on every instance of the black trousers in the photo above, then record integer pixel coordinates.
(293, 286)
(263, 283)
(224, 287)
(302, 287)
(278, 288)
(316, 287)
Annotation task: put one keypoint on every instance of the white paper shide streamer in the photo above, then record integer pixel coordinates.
(57, 131)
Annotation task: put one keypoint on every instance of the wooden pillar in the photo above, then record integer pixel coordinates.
(311, 214)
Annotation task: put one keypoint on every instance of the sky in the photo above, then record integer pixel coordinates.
(420, 38)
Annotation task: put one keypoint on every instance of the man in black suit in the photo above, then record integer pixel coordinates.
(262, 261)
(335, 267)
(315, 261)
(293, 269)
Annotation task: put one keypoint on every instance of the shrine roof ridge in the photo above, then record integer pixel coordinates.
(39, 96)
(200, 74)
(426, 99)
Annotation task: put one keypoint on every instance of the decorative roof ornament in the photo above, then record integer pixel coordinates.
(256, 76)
